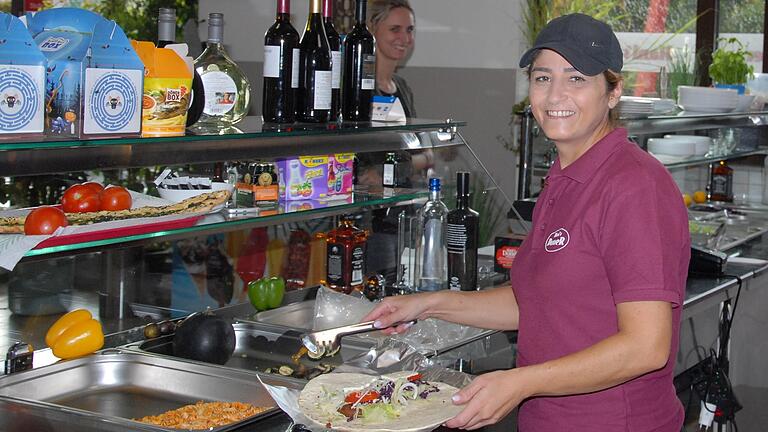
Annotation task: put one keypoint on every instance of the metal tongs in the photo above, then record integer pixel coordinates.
(328, 342)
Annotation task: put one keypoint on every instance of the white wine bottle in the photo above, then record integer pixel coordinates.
(227, 90)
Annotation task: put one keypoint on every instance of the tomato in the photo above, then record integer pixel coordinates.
(44, 220)
(94, 186)
(115, 198)
(414, 378)
(370, 396)
(80, 198)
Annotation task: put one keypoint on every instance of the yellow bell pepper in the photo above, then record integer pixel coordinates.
(75, 334)
(65, 322)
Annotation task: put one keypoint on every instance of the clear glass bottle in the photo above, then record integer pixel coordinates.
(431, 272)
(227, 89)
(345, 265)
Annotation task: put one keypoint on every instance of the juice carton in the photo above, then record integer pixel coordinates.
(167, 83)
(22, 80)
(340, 166)
(303, 178)
(94, 77)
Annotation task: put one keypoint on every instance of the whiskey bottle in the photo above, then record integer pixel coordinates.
(721, 182)
(462, 239)
(345, 265)
(389, 177)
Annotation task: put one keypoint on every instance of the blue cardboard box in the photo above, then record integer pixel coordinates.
(22, 80)
(94, 79)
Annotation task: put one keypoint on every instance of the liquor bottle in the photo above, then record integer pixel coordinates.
(281, 68)
(166, 35)
(431, 272)
(721, 182)
(462, 239)
(315, 73)
(359, 76)
(345, 264)
(334, 43)
(227, 90)
(389, 177)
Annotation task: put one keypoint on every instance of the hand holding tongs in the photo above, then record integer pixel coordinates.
(329, 341)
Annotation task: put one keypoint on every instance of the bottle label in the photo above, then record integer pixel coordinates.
(456, 238)
(336, 72)
(369, 72)
(322, 100)
(220, 93)
(295, 68)
(720, 184)
(271, 61)
(335, 264)
(389, 175)
(358, 265)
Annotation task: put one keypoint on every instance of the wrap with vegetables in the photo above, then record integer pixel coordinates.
(355, 402)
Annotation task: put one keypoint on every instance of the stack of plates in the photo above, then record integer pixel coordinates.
(630, 106)
(634, 106)
(679, 145)
(707, 99)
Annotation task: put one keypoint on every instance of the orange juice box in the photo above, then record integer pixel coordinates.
(167, 84)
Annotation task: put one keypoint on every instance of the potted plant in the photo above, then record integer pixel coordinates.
(729, 68)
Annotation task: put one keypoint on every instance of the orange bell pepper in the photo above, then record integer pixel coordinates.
(75, 334)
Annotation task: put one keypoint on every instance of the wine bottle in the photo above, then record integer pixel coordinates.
(462, 239)
(334, 43)
(227, 89)
(431, 270)
(166, 35)
(281, 68)
(359, 76)
(315, 69)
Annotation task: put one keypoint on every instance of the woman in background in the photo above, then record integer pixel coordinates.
(392, 23)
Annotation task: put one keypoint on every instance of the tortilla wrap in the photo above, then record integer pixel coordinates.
(417, 415)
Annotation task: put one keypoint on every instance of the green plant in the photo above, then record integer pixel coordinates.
(681, 69)
(729, 66)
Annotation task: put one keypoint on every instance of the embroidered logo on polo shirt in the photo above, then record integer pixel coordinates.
(557, 240)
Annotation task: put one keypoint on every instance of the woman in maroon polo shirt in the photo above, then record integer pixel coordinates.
(598, 285)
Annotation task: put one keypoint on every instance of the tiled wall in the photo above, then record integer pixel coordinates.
(747, 180)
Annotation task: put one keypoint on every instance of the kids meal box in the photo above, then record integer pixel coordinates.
(22, 80)
(94, 78)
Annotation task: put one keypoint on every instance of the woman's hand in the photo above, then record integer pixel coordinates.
(397, 309)
(488, 399)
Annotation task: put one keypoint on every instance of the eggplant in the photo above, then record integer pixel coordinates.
(204, 337)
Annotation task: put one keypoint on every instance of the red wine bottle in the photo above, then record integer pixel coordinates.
(166, 35)
(462, 239)
(359, 76)
(334, 43)
(315, 69)
(281, 68)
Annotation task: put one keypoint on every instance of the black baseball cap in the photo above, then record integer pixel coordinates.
(588, 44)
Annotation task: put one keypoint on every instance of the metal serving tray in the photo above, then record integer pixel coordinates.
(120, 386)
(259, 347)
(298, 316)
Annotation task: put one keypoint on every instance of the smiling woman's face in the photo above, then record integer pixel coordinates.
(394, 34)
(569, 106)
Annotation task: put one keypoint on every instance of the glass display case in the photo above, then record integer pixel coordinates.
(128, 278)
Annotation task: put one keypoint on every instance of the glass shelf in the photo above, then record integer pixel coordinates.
(253, 140)
(248, 129)
(283, 212)
(686, 121)
(698, 160)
